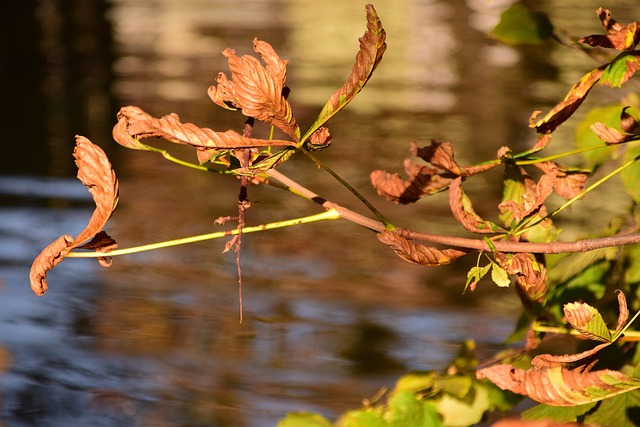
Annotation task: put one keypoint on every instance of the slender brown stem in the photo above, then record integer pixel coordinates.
(460, 242)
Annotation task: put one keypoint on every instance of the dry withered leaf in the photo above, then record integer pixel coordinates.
(45, 261)
(551, 361)
(134, 122)
(569, 183)
(372, 47)
(440, 155)
(619, 37)
(256, 89)
(465, 214)
(419, 254)
(531, 276)
(535, 194)
(423, 181)
(320, 139)
(563, 110)
(558, 386)
(96, 173)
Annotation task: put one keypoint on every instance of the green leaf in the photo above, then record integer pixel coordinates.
(588, 321)
(499, 276)
(621, 69)
(521, 25)
(618, 411)
(631, 175)
(560, 414)
(585, 137)
(303, 419)
(372, 46)
(368, 417)
(476, 273)
(406, 410)
(461, 413)
(415, 382)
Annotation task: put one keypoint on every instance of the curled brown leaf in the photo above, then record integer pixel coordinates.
(569, 183)
(619, 37)
(45, 261)
(256, 89)
(96, 173)
(419, 254)
(559, 386)
(531, 276)
(136, 123)
(423, 181)
(440, 155)
(535, 194)
(465, 214)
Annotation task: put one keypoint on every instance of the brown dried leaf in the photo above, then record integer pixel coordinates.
(531, 276)
(320, 139)
(95, 172)
(419, 254)
(560, 386)
(465, 214)
(551, 361)
(609, 135)
(423, 181)
(372, 47)
(563, 110)
(569, 183)
(46, 260)
(619, 37)
(139, 124)
(440, 155)
(532, 200)
(628, 123)
(257, 90)
(623, 314)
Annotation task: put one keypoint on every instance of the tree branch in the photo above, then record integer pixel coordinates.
(460, 242)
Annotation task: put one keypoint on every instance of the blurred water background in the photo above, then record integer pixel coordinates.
(330, 315)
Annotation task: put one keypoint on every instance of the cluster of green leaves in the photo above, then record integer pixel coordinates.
(599, 384)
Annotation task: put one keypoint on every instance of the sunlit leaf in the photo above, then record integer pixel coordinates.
(563, 110)
(419, 254)
(372, 47)
(303, 419)
(499, 276)
(463, 211)
(96, 173)
(559, 386)
(140, 125)
(619, 37)
(618, 411)
(587, 320)
(620, 70)
(521, 25)
(368, 417)
(406, 410)
(440, 155)
(415, 382)
(256, 89)
(464, 412)
(474, 275)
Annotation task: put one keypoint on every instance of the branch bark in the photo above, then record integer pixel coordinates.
(461, 242)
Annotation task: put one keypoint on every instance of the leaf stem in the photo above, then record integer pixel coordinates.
(533, 161)
(323, 216)
(387, 224)
(560, 330)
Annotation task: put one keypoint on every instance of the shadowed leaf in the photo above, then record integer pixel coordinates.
(463, 210)
(531, 195)
(95, 172)
(531, 276)
(440, 155)
(418, 254)
(619, 37)
(256, 89)
(520, 25)
(560, 386)
(139, 125)
(372, 47)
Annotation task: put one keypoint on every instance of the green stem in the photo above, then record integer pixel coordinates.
(323, 216)
(559, 155)
(387, 224)
(628, 336)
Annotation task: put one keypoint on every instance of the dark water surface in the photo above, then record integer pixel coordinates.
(330, 315)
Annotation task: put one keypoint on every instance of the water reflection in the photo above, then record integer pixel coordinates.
(330, 316)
